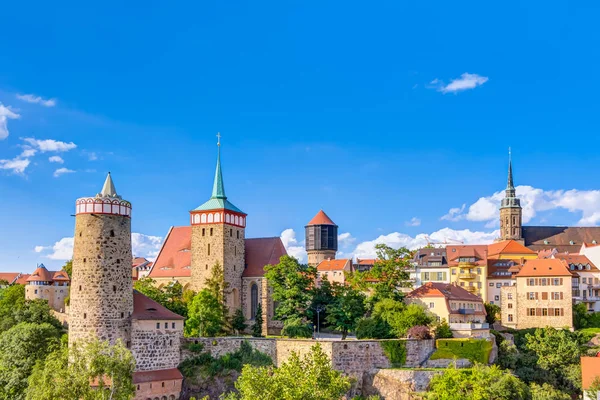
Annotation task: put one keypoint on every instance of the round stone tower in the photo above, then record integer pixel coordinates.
(321, 239)
(101, 286)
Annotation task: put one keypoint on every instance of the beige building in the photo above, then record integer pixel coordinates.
(52, 286)
(334, 270)
(586, 280)
(464, 311)
(468, 268)
(540, 297)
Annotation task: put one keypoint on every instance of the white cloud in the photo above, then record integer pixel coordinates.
(534, 201)
(465, 82)
(28, 152)
(454, 214)
(16, 165)
(142, 246)
(145, 245)
(50, 145)
(92, 156)
(62, 171)
(56, 159)
(31, 98)
(414, 221)
(5, 114)
(396, 239)
(345, 239)
(292, 246)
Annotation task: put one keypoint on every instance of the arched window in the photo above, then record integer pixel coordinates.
(253, 300)
(210, 218)
(217, 217)
(203, 218)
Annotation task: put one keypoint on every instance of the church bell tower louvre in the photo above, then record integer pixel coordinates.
(511, 213)
(218, 236)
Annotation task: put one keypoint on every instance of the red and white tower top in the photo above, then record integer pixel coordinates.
(105, 202)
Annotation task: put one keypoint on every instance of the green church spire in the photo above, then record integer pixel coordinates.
(218, 186)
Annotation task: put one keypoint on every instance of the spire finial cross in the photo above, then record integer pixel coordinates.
(219, 139)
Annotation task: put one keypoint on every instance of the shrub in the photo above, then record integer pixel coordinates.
(419, 332)
(475, 350)
(373, 328)
(296, 328)
(258, 321)
(395, 351)
(442, 331)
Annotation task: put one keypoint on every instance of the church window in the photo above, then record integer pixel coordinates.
(203, 218)
(253, 300)
(217, 217)
(209, 247)
(211, 231)
(210, 218)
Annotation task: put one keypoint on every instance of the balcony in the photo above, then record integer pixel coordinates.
(468, 326)
(467, 275)
(594, 286)
(466, 311)
(467, 264)
(590, 299)
(471, 289)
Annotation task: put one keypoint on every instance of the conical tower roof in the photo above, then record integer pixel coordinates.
(321, 219)
(108, 190)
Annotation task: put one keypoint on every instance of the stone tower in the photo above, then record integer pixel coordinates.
(101, 291)
(321, 239)
(510, 211)
(218, 232)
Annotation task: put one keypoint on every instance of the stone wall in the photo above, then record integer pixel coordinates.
(396, 384)
(220, 346)
(156, 348)
(54, 295)
(101, 295)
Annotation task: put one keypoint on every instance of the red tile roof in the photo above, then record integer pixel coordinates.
(544, 267)
(22, 279)
(138, 261)
(333, 265)
(453, 252)
(9, 277)
(365, 261)
(440, 289)
(576, 259)
(157, 375)
(507, 247)
(321, 219)
(174, 259)
(261, 252)
(144, 308)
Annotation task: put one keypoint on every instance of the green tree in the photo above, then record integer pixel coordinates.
(389, 274)
(581, 316)
(400, 317)
(238, 322)
(492, 313)
(594, 389)
(442, 330)
(67, 373)
(555, 348)
(347, 307)
(479, 383)
(291, 283)
(295, 327)
(205, 316)
(373, 328)
(68, 267)
(219, 288)
(148, 287)
(36, 311)
(321, 295)
(258, 321)
(21, 347)
(307, 378)
(547, 392)
(170, 296)
(12, 299)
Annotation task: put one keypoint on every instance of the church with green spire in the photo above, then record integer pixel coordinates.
(511, 213)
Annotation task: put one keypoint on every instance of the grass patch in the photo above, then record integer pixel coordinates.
(203, 364)
(475, 350)
(395, 351)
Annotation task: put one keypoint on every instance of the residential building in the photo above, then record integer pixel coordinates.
(10, 278)
(540, 297)
(52, 286)
(590, 372)
(591, 251)
(463, 310)
(140, 268)
(364, 264)
(430, 265)
(468, 267)
(586, 280)
(334, 270)
(499, 276)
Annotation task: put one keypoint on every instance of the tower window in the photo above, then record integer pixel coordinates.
(203, 231)
(234, 267)
(171, 342)
(253, 300)
(79, 234)
(209, 248)
(85, 259)
(112, 233)
(118, 261)
(114, 289)
(122, 315)
(238, 234)
(230, 232)
(235, 250)
(206, 267)
(80, 288)
(84, 315)
(211, 230)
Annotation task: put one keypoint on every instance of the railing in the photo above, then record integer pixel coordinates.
(468, 326)
(471, 289)
(467, 275)
(466, 264)
(591, 298)
(594, 285)
(466, 311)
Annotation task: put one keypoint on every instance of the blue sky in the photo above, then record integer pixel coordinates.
(385, 115)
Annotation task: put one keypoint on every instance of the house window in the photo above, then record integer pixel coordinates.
(510, 318)
(491, 284)
(509, 296)
(425, 276)
(497, 298)
(510, 305)
(531, 312)
(431, 305)
(35, 291)
(253, 300)
(544, 312)
(478, 271)
(158, 325)
(453, 271)
(557, 312)
(173, 325)
(498, 285)
(166, 325)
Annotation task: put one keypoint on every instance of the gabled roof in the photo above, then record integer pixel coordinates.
(321, 219)
(479, 251)
(544, 267)
(559, 237)
(334, 265)
(577, 260)
(174, 258)
(500, 269)
(9, 277)
(157, 375)
(41, 274)
(261, 252)
(440, 289)
(508, 247)
(22, 279)
(60, 276)
(424, 255)
(144, 308)
(365, 261)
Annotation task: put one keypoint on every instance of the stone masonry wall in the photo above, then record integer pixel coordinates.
(226, 248)
(220, 346)
(396, 384)
(156, 348)
(54, 295)
(101, 293)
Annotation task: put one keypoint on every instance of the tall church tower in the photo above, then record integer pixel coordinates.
(101, 292)
(510, 210)
(218, 236)
(321, 239)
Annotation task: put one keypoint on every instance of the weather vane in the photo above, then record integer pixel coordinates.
(218, 138)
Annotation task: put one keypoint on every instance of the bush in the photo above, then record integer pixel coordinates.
(419, 332)
(296, 328)
(258, 321)
(395, 351)
(372, 328)
(442, 331)
(475, 350)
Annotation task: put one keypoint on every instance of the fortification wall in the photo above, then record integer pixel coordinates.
(156, 348)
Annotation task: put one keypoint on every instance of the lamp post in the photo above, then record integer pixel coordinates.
(318, 309)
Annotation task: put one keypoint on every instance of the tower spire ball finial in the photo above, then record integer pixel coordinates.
(218, 186)
(219, 139)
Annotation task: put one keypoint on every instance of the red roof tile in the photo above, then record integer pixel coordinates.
(576, 259)
(544, 267)
(144, 308)
(333, 265)
(60, 276)
(261, 252)
(365, 261)
(174, 258)
(321, 219)
(508, 247)
(22, 279)
(9, 277)
(440, 289)
(453, 252)
(41, 274)
(157, 375)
